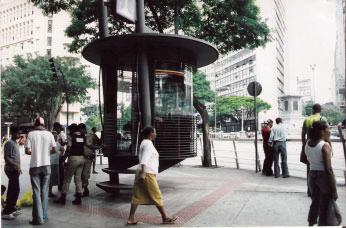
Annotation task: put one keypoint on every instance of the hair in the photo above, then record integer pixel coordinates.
(147, 131)
(316, 108)
(39, 121)
(269, 121)
(278, 120)
(315, 132)
(81, 126)
(14, 132)
(73, 128)
(57, 126)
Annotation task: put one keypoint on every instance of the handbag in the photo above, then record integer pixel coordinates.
(334, 217)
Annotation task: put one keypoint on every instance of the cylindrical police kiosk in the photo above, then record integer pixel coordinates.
(162, 97)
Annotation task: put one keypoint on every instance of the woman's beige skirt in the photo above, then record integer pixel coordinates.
(147, 192)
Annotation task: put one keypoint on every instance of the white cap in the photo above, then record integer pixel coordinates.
(39, 121)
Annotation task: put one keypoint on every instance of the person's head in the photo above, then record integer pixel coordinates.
(15, 134)
(278, 120)
(149, 133)
(269, 123)
(72, 128)
(57, 127)
(94, 130)
(39, 121)
(316, 108)
(82, 128)
(319, 130)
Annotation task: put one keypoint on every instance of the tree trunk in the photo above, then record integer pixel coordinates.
(205, 129)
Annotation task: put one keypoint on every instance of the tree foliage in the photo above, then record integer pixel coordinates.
(29, 88)
(201, 88)
(230, 107)
(229, 24)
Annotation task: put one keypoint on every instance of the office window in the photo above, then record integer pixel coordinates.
(49, 41)
(50, 25)
(49, 52)
(295, 105)
(286, 105)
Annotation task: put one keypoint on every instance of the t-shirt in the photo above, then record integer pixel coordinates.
(149, 156)
(11, 150)
(41, 143)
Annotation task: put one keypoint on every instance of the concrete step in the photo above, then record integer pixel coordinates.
(107, 186)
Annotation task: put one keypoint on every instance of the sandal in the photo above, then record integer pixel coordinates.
(131, 223)
(170, 220)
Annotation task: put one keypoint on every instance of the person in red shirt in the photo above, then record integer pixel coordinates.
(268, 150)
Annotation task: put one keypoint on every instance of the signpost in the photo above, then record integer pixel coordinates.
(254, 89)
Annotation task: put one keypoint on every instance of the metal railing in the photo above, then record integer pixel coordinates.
(240, 154)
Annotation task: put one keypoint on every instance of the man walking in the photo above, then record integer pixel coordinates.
(40, 144)
(278, 140)
(91, 144)
(316, 116)
(12, 171)
(268, 150)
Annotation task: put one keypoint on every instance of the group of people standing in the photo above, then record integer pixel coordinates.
(48, 167)
(274, 146)
(316, 154)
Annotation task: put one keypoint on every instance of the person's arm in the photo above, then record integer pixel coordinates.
(28, 145)
(144, 161)
(327, 154)
(271, 137)
(304, 132)
(7, 152)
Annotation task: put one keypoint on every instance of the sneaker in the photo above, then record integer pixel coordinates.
(8, 217)
(17, 212)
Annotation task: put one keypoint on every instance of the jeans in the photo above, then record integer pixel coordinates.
(13, 190)
(280, 149)
(39, 177)
(321, 194)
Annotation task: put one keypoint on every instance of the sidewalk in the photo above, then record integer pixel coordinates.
(199, 196)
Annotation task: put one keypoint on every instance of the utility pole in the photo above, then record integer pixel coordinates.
(313, 67)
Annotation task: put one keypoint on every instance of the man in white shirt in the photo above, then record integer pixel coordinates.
(278, 140)
(40, 144)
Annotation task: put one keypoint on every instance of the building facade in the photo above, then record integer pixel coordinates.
(339, 56)
(27, 32)
(232, 73)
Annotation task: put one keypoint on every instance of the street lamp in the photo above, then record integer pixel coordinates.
(215, 94)
(55, 77)
(313, 67)
(242, 120)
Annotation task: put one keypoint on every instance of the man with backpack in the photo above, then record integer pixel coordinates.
(307, 125)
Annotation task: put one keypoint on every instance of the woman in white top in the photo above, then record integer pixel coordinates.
(146, 190)
(321, 177)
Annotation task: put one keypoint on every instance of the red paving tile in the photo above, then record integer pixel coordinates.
(185, 214)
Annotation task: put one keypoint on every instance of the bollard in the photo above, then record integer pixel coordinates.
(236, 155)
(212, 144)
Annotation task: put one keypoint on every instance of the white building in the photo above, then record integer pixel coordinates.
(26, 31)
(339, 57)
(231, 74)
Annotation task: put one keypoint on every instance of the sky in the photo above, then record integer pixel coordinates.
(311, 39)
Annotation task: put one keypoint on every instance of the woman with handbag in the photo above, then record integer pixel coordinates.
(146, 190)
(322, 182)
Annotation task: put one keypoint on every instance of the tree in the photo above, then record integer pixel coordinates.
(332, 113)
(229, 24)
(201, 94)
(230, 107)
(30, 89)
(307, 110)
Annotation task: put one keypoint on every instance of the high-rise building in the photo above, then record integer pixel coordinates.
(231, 74)
(339, 56)
(27, 32)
